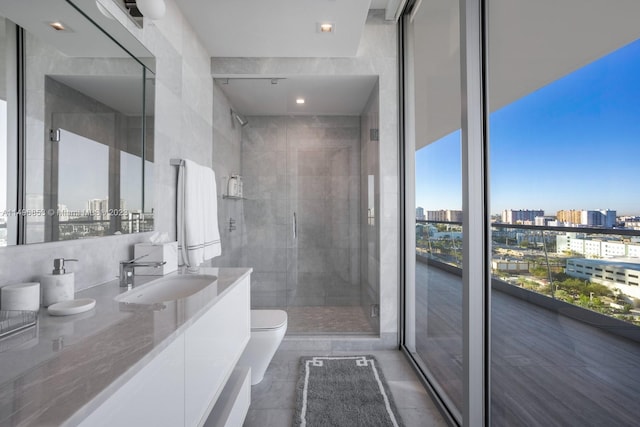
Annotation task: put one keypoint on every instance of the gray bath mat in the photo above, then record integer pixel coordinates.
(344, 391)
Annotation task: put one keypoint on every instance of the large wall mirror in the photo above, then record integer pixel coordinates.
(76, 123)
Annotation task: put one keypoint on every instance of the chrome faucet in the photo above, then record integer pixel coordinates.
(127, 269)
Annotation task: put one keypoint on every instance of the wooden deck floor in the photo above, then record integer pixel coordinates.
(547, 369)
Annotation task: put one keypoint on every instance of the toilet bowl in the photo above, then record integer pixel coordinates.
(267, 330)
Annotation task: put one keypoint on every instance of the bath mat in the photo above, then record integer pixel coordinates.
(344, 391)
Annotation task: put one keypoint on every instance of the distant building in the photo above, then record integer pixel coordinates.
(623, 274)
(633, 225)
(544, 221)
(445, 215)
(600, 248)
(521, 216)
(420, 214)
(601, 218)
(98, 209)
(510, 266)
(569, 217)
(588, 218)
(631, 222)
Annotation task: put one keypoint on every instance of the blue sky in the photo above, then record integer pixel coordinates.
(573, 144)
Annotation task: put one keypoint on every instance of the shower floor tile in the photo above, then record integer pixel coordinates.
(329, 320)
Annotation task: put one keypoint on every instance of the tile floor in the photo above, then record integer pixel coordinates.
(329, 320)
(273, 400)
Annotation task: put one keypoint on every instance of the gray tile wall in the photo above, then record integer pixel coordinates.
(184, 129)
(309, 166)
(227, 148)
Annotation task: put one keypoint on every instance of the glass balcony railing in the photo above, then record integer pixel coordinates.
(593, 268)
(83, 228)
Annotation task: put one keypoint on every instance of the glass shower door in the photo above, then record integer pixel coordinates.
(308, 222)
(324, 286)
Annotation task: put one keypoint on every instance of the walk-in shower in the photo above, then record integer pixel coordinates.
(311, 187)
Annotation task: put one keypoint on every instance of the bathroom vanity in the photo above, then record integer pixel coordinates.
(169, 363)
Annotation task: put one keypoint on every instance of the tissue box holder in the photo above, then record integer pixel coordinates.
(161, 252)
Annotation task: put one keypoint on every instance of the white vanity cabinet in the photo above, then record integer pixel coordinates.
(180, 386)
(213, 346)
(153, 397)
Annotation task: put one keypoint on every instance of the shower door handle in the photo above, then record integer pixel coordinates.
(295, 226)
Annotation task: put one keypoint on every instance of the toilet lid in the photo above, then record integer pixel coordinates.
(267, 319)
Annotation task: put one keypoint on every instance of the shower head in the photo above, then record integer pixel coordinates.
(242, 120)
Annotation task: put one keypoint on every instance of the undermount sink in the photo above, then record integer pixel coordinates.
(167, 289)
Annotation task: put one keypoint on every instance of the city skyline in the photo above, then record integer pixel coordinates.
(571, 144)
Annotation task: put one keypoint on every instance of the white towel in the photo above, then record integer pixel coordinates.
(198, 233)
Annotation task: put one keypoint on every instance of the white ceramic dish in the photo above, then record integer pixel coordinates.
(74, 306)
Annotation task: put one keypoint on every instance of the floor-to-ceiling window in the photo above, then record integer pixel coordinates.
(564, 136)
(556, 109)
(432, 100)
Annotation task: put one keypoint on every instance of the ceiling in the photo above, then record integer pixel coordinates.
(81, 39)
(323, 95)
(286, 28)
(277, 28)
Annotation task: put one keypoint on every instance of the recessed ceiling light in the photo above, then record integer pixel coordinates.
(58, 26)
(325, 27)
(300, 101)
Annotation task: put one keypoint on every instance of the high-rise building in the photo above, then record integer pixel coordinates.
(98, 209)
(447, 215)
(569, 216)
(520, 216)
(420, 214)
(588, 218)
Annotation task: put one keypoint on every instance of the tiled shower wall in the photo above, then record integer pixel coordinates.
(310, 167)
(227, 149)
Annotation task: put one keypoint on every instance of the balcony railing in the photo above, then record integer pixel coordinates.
(594, 268)
(87, 227)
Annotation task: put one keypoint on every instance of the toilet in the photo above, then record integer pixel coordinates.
(267, 331)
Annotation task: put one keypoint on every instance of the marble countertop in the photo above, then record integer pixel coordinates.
(61, 370)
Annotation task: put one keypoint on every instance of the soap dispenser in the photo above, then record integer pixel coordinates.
(59, 285)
